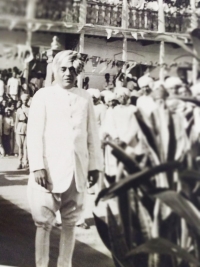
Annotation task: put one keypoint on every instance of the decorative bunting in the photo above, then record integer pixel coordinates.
(113, 64)
(104, 67)
(142, 34)
(109, 33)
(83, 57)
(120, 63)
(8, 52)
(115, 32)
(80, 27)
(12, 24)
(95, 62)
(49, 26)
(67, 25)
(135, 35)
(37, 26)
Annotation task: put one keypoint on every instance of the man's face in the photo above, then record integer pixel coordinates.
(8, 113)
(66, 74)
(18, 104)
(95, 100)
(146, 90)
(12, 107)
(14, 74)
(122, 99)
(3, 103)
(24, 101)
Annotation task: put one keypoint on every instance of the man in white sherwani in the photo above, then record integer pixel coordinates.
(64, 151)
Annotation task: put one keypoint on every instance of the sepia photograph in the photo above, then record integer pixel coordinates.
(99, 133)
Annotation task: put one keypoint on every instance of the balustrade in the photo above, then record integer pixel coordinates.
(58, 10)
(104, 14)
(177, 19)
(13, 7)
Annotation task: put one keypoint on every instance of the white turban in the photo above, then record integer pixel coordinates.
(145, 81)
(108, 96)
(195, 89)
(72, 56)
(172, 82)
(119, 91)
(157, 85)
(94, 92)
(24, 97)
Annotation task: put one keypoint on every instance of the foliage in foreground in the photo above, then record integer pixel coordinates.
(157, 191)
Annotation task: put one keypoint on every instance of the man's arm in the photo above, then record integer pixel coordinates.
(35, 129)
(94, 149)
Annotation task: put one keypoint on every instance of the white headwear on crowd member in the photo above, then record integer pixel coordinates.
(108, 96)
(195, 89)
(172, 82)
(24, 96)
(144, 81)
(72, 56)
(119, 91)
(94, 92)
(157, 85)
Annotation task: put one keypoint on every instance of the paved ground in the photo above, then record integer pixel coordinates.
(17, 231)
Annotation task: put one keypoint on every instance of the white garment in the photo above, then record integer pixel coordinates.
(62, 136)
(2, 88)
(13, 85)
(100, 112)
(1, 126)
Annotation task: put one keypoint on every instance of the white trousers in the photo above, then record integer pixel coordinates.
(44, 206)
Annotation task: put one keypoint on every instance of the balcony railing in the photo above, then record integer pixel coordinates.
(104, 14)
(13, 7)
(98, 13)
(58, 10)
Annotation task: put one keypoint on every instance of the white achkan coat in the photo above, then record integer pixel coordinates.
(62, 137)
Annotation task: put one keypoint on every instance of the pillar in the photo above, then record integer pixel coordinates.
(30, 15)
(55, 48)
(194, 24)
(161, 29)
(81, 50)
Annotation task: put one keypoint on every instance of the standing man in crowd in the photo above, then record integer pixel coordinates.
(64, 150)
(2, 88)
(13, 86)
(8, 125)
(21, 121)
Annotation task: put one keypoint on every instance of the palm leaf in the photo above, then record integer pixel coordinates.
(102, 229)
(147, 131)
(136, 180)
(119, 246)
(163, 246)
(195, 36)
(170, 39)
(129, 163)
(180, 205)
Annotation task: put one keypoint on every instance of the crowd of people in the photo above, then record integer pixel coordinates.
(116, 105)
(59, 133)
(15, 100)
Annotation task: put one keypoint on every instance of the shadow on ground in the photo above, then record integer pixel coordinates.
(11, 178)
(17, 234)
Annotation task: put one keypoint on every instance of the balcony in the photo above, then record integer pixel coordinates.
(58, 10)
(99, 13)
(15, 8)
(104, 14)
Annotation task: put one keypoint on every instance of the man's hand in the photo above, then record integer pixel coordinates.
(120, 143)
(93, 177)
(41, 177)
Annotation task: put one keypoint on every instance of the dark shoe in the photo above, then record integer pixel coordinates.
(19, 167)
(83, 225)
